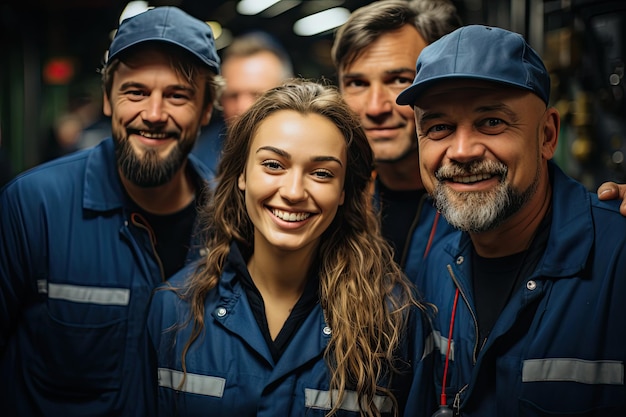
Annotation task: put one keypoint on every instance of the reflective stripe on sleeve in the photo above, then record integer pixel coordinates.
(429, 345)
(322, 400)
(194, 384)
(93, 295)
(574, 370)
(441, 343)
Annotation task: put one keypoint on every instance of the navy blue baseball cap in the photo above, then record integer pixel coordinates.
(170, 25)
(479, 53)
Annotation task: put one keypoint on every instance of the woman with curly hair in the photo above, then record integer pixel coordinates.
(297, 308)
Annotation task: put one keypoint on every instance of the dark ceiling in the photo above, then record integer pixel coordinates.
(81, 28)
(310, 54)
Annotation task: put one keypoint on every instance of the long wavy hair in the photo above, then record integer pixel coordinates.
(364, 295)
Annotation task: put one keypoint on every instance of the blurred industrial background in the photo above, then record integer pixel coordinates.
(51, 51)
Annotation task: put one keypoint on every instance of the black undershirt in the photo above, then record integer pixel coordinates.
(173, 236)
(299, 313)
(398, 211)
(495, 280)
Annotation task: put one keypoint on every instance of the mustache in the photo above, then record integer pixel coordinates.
(154, 131)
(457, 169)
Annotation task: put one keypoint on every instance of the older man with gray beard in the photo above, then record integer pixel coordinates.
(530, 296)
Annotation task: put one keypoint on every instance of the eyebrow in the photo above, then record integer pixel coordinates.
(287, 155)
(400, 70)
(496, 107)
(177, 87)
(481, 109)
(425, 116)
(394, 71)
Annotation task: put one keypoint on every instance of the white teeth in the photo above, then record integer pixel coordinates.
(290, 217)
(151, 135)
(471, 178)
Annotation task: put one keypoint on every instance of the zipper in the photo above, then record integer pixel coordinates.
(464, 296)
(456, 404)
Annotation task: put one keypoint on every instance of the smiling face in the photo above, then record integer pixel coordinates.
(294, 179)
(483, 151)
(371, 84)
(155, 117)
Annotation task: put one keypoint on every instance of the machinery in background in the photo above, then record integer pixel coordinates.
(585, 51)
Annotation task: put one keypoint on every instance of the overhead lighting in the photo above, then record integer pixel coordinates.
(134, 8)
(321, 22)
(281, 7)
(216, 28)
(252, 7)
(224, 40)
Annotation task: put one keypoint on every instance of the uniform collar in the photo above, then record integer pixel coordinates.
(103, 190)
(571, 235)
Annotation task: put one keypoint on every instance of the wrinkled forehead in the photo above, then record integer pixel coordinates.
(454, 90)
(389, 49)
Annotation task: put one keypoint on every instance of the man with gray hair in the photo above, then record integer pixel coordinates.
(374, 53)
(530, 296)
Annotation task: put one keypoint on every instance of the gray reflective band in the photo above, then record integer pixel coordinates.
(574, 370)
(195, 384)
(429, 345)
(441, 343)
(322, 400)
(93, 295)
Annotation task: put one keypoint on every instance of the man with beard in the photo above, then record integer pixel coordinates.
(87, 237)
(374, 53)
(530, 295)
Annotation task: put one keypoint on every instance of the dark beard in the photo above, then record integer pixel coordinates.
(151, 170)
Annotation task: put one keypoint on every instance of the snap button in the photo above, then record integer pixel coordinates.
(221, 312)
(460, 260)
(327, 331)
(531, 285)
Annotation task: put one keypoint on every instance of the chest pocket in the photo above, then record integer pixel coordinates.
(317, 401)
(574, 387)
(83, 331)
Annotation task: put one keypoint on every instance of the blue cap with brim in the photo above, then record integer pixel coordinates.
(170, 25)
(479, 53)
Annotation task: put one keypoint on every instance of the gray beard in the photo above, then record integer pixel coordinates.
(481, 211)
